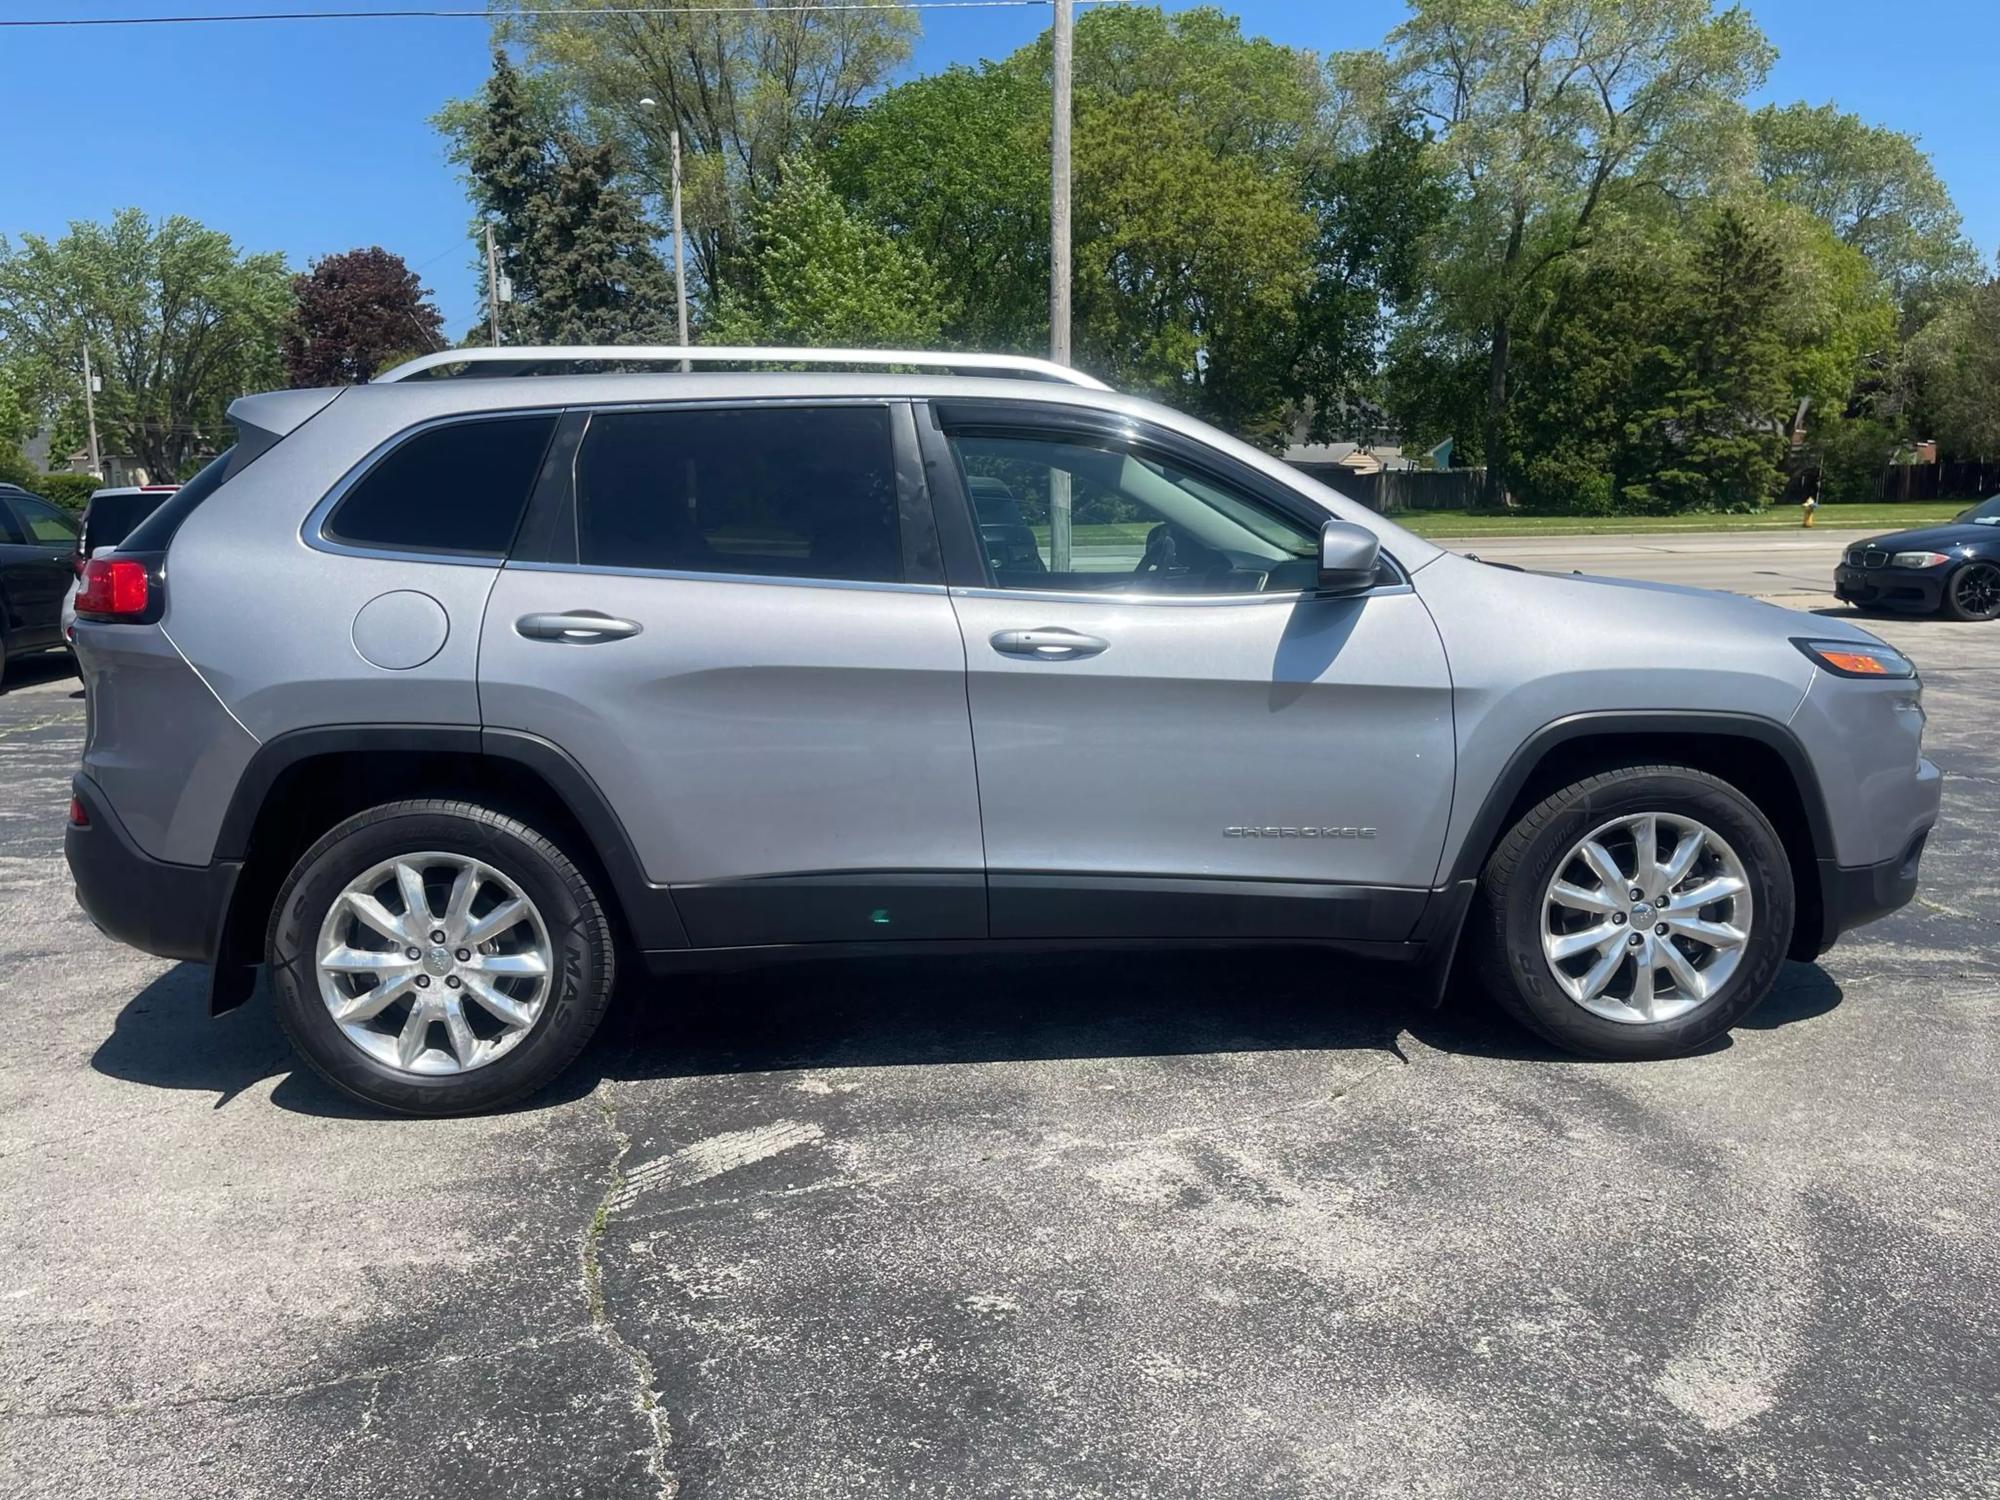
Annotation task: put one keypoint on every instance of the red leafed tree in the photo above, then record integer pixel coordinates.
(357, 313)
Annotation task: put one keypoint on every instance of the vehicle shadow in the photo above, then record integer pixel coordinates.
(899, 1012)
(33, 671)
(164, 1038)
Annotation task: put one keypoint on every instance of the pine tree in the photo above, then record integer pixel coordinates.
(507, 160)
(598, 280)
(574, 244)
(1720, 422)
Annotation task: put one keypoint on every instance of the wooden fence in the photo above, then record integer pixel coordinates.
(1394, 490)
(1970, 479)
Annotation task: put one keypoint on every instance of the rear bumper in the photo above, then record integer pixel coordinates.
(174, 911)
(1918, 590)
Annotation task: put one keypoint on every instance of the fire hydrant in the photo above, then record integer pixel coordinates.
(1808, 506)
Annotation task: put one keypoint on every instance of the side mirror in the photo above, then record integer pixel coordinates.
(1347, 558)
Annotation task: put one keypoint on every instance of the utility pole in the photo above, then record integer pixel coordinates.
(90, 410)
(1059, 190)
(492, 289)
(680, 269)
(1059, 479)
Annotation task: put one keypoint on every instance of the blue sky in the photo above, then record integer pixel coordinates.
(313, 137)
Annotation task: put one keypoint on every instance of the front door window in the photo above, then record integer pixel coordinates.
(1075, 514)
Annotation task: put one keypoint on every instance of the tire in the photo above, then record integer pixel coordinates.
(1973, 592)
(1519, 914)
(562, 929)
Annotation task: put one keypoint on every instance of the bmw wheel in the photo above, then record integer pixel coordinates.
(437, 957)
(1636, 914)
(1973, 592)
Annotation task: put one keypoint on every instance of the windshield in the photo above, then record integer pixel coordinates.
(1986, 513)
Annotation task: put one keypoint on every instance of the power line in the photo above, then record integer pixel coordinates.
(581, 13)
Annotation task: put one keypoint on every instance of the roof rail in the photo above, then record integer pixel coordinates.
(537, 360)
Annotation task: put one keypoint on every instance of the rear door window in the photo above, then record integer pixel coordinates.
(455, 488)
(44, 523)
(776, 491)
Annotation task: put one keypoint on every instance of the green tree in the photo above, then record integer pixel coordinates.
(1956, 365)
(1663, 371)
(1874, 187)
(956, 167)
(178, 322)
(17, 419)
(574, 246)
(747, 90)
(1715, 438)
(1374, 210)
(821, 275)
(1551, 113)
(1193, 249)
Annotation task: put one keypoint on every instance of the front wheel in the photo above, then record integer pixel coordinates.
(1973, 592)
(1636, 914)
(437, 957)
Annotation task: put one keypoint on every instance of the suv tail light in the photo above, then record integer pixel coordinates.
(117, 588)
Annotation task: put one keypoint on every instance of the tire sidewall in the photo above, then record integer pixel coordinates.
(1951, 604)
(569, 911)
(1765, 863)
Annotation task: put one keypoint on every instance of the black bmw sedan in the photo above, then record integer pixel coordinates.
(1954, 568)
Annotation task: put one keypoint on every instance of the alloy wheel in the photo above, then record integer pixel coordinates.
(1646, 918)
(1976, 591)
(434, 963)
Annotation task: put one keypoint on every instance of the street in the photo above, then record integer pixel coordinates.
(1234, 1224)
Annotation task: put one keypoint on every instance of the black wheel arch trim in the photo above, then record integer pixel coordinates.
(1487, 825)
(650, 915)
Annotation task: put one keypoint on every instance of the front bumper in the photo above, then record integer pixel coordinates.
(1918, 590)
(174, 911)
(1851, 895)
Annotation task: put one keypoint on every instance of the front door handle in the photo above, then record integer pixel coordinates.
(578, 626)
(1050, 643)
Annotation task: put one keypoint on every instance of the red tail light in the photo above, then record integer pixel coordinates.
(114, 588)
(77, 814)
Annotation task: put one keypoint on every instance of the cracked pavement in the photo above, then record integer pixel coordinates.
(1248, 1224)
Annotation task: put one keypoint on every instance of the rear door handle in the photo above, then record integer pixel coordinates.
(577, 626)
(1049, 643)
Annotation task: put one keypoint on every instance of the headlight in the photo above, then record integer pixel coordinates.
(1919, 560)
(1857, 658)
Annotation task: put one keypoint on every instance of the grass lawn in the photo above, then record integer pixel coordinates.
(1111, 534)
(1872, 517)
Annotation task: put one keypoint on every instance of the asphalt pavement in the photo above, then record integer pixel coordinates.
(1795, 564)
(1251, 1224)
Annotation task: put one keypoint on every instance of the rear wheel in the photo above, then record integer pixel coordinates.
(1636, 914)
(437, 957)
(1973, 592)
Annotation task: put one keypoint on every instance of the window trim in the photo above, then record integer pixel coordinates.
(313, 531)
(966, 563)
(549, 542)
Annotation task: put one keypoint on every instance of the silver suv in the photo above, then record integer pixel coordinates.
(446, 697)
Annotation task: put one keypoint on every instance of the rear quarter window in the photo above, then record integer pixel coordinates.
(459, 487)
